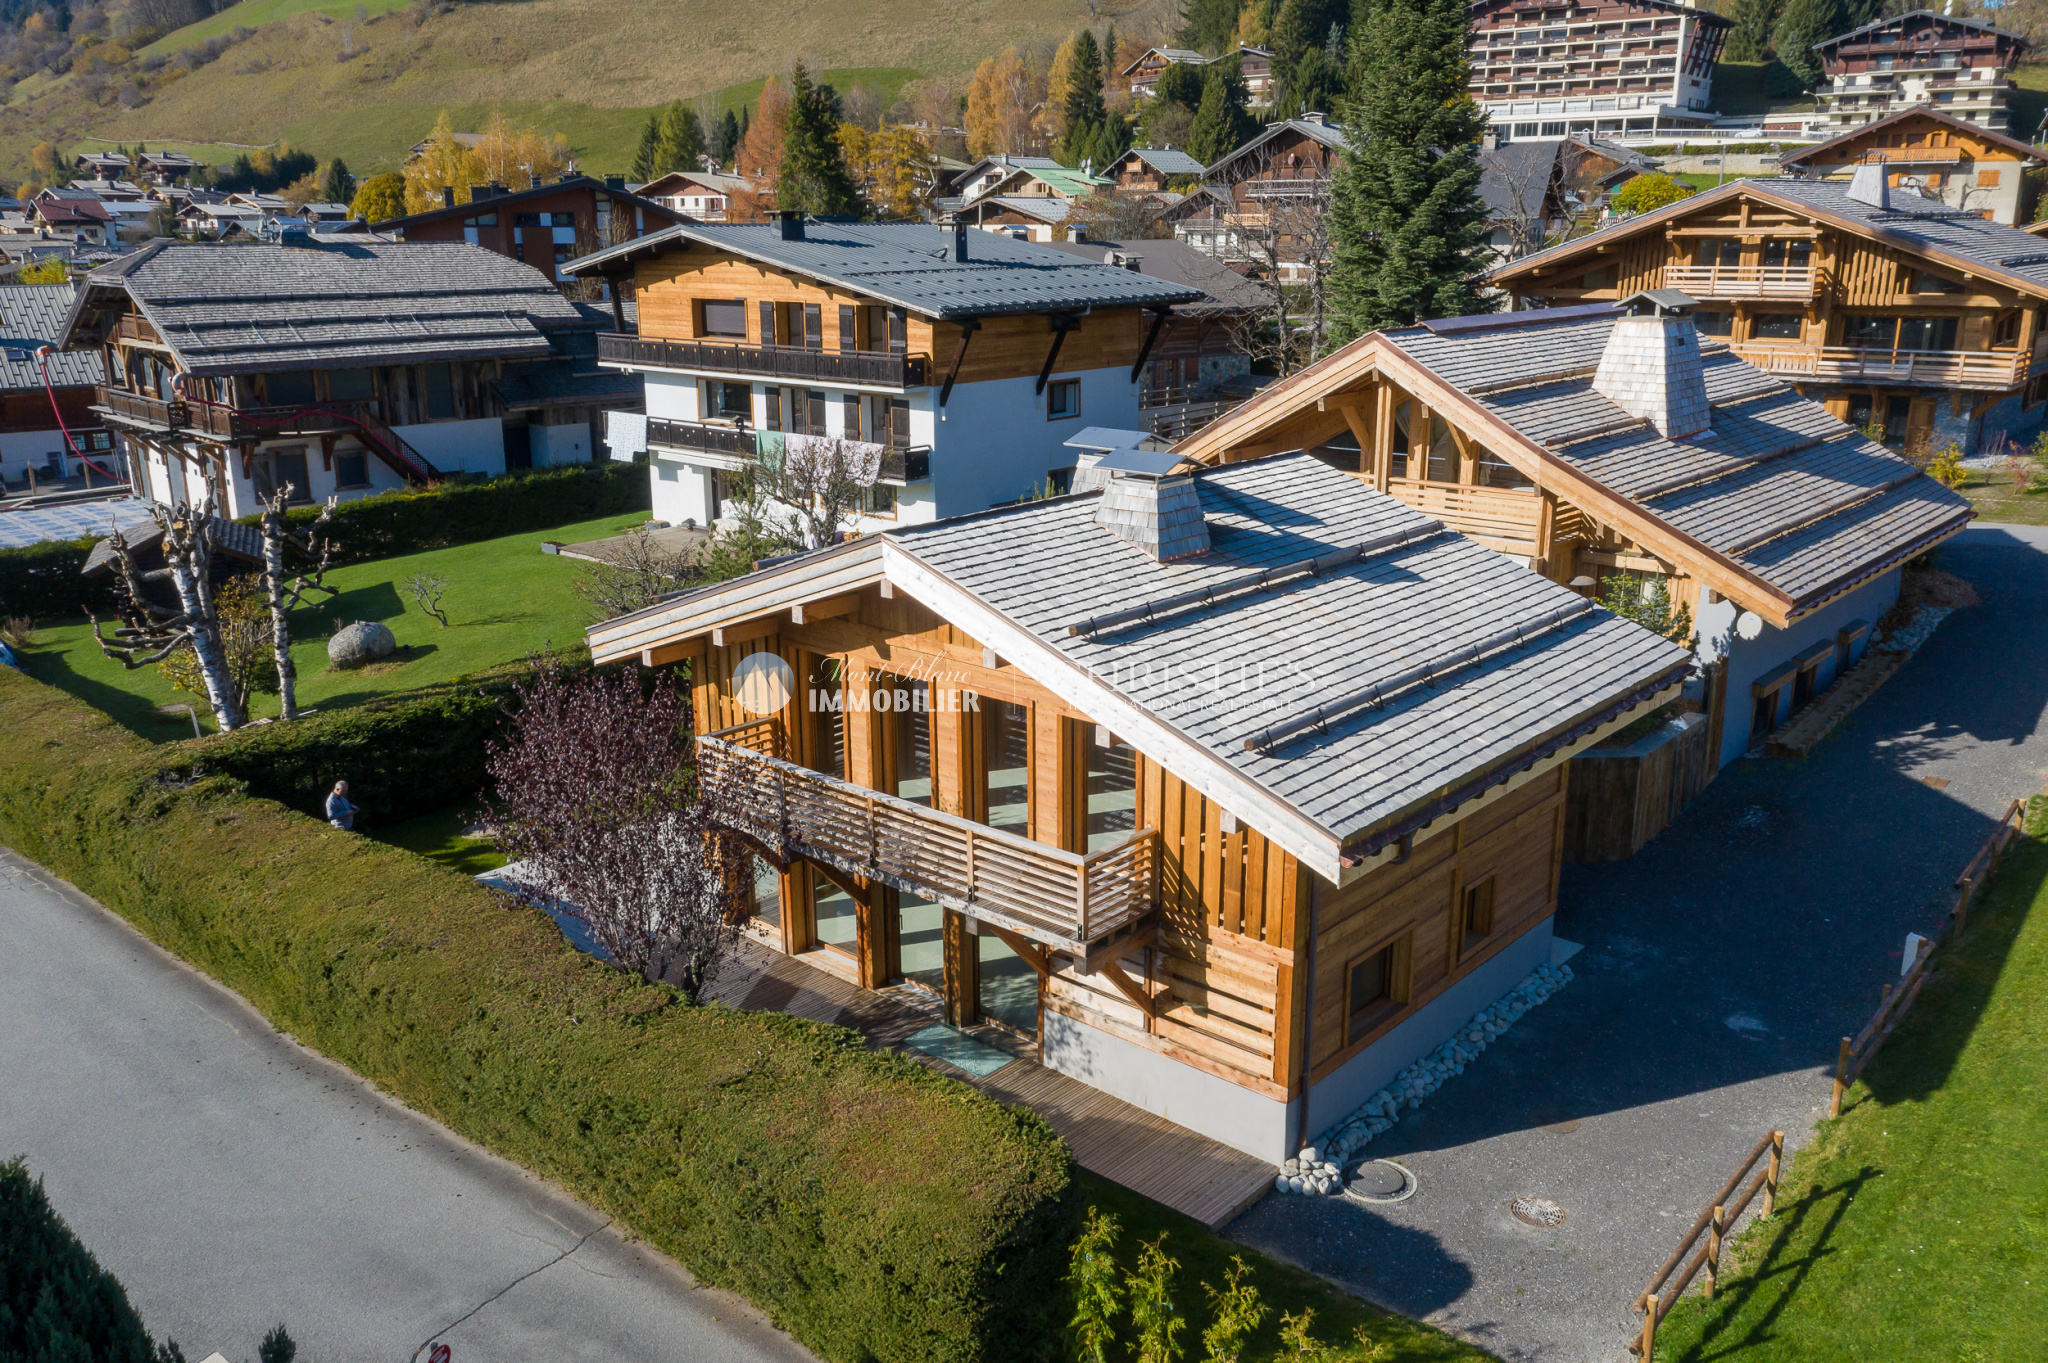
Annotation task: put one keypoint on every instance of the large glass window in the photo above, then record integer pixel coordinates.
(1871, 332)
(910, 740)
(1788, 253)
(344, 384)
(1443, 453)
(920, 948)
(289, 390)
(767, 889)
(1112, 789)
(1717, 251)
(1403, 438)
(1714, 323)
(824, 708)
(1776, 326)
(440, 392)
(835, 915)
(1927, 333)
(1006, 770)
(1006, 989)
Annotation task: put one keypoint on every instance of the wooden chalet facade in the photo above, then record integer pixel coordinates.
(542, 225)
(1613, 438)
(1961, 67)
(960, 360)
(344, 367)
(968, 761)
(1148, 170)
(1288, 164)
(1891, 308)
(1551, 68)
(1935, 154)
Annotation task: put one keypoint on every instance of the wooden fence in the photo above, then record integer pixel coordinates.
(1857, 1051)
(1713, 1224)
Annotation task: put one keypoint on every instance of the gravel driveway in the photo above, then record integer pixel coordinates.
(1721, 966)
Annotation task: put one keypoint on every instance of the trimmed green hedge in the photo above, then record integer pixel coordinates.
(42, 581)
(871, 1207)
(56, 1301)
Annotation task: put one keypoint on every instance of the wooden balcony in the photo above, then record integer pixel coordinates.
(1504, 519)
(220, 422)
(1062, 900)
(1744, 281)
(864, 368)
(1984, 369)
(728, 446)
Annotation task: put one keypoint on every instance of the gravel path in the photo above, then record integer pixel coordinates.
(1722, 964)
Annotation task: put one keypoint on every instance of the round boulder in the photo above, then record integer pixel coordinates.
(363, 642)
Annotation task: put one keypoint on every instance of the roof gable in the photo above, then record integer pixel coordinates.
(1854, 143)
(1902, 21)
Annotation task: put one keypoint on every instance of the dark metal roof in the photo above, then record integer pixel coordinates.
(32, 316)
(548, 385)
(911, 264)
(332, 303)
(1224, 289)
(1955, 19)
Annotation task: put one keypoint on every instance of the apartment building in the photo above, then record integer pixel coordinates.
(1959, 67)
(1555, 68)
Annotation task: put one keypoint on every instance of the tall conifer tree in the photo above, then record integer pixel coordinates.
(1804, 23)
(813, 176)
(1407, 221)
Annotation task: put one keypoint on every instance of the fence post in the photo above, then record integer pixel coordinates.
(1714, 1229)
(1771, 1174)
(1648, 1343)
(1841, 1079)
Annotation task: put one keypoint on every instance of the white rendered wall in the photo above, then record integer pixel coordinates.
(992, 441)
(474, 446)
(553, 445)
(682, 492)
(23, 450)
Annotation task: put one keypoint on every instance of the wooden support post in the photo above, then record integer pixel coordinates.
(967, 330)
(1159, 316)
(1647, 1345)
(1128, 987)
(1771, 1173)
(1060, 327)
(1841, 1079)
(1714, 1232)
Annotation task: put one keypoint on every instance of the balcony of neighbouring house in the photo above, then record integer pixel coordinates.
(855, 368)
(125, 409)
(722, 446)
(1063, 900)
(1982, 369)
(1744, 281)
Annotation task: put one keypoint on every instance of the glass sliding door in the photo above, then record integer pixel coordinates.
(920, 944)
(835, 916)
(909, 730)
(767, 889)
(1111, 789)
(1006, 765)
(1006, 989)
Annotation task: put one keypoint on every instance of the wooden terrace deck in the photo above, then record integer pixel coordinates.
(1190, 1173)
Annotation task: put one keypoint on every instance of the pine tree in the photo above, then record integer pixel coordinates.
(1207, 25)
(679, 142)
(1750, 39)
(1804, 23)
(643, 157)
(1408, 225)
(813, 176)
(339, 186)
(1111, 67)
(1082, 112)
(728, 138)
(1298, 29)
(1221, 122)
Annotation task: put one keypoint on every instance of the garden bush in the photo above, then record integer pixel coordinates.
(42, 581)
(869, 1206)
(56, 1302)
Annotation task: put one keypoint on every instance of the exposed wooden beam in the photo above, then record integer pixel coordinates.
(1027, 950)
(1159, 316)
(967, 330)
(683, 650)
(745, 632)
(1061, 325)
(1129, 988)
(831, 608)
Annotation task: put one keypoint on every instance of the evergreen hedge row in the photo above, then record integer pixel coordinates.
(872, 1208)
(56, 1301)
(42, 580)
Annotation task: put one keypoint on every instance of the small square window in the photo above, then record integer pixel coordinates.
(351, 469)
(1062, 399)
(1715, 323)
(1368, 992)
(1476, 921)
(725, 317)
(1777, 326)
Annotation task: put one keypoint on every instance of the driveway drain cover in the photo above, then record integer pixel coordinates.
(1539, 1212)
(1375, 1179)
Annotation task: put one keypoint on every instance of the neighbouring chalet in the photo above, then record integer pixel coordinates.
(709, 196)
(1146, 170)
(1288, 163)
(1962, 67)
(167, 167)
(1537, 191)
(1234, 790)
(32, 317)
(543, 225)
(1889, 307)
(1939, 156)
(344, 366)
(1612, 438)
(966, 358)
(1141, 77)
(1548, 68)
(1030, 203)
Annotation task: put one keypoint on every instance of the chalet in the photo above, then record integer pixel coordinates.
(751, 336)
(167, 167)
(81, 218)
(708, 195)
(1890, 307)
(1231, 791)
(1608, 68)
(1141, 77)
(1148, 169)
(1030, 202)
(1290, 162)
(984, 174)
(1961, 67)
(1540, 191)
(543, 225)
(321, 214)
(31, 438)
(1936, 154)
(1613, 438)
(342, 367)
(270, 205)
(219, 218)
(1255, 67)
(102, 165)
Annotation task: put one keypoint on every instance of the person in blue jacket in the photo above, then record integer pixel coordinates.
(340, 812)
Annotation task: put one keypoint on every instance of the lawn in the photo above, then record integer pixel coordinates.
(1992, 493)
(505, 600)
(1916, 1224)
(438, 837)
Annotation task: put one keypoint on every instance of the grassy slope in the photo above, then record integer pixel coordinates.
(505, 600)
(1992, 493)
(1912, 1228)
(438, 837)
(588, 68)
(256, 13)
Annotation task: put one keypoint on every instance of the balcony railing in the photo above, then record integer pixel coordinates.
(1064, 900)
(1298, 188)
(873, 368)
(1935, 368)
(699, 438)
(1743, 281)
(219, 421)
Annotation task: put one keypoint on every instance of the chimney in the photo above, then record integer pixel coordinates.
(789, 224)
(959, 241)
(614, 182)
(447, 196)
(533, 182)
(1150, 505)
(1490, 142)
(1870, 185)
(1315, 118)
(1078, 232)
(1651, 368)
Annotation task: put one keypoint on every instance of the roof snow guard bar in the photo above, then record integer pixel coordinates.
(1377, 695)
(1265, 580)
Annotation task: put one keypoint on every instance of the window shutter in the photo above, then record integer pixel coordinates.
(899, 411)
(767, 324)
(817, 411)
(899, 331)
(850, 404)
(774, 403)
(814, 327)
(848, 328)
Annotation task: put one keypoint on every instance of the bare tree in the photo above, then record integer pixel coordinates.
(149, 633)
(1536, 205)
(426, 591)
(822, 480)
(594, 781)
(635, 574)
(287, 590)
(1287, 245)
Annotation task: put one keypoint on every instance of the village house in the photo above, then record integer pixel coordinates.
(980, 177)
(1141, 77)
(1540, 191)
(1891, 308)
(1936, 154)
(1147, 170)
(102, 165)
(959, 360)
(31, 440)
(1614, 438)
(1183, 782)
(1030, 202)
(218, 217)
(1289, 162)
(167, 167)
(1961, 67)
(543, 225)
(1551, 68)
(342, 366)
(708, 195)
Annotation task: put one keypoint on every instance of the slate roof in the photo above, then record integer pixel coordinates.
(1514, 179)
(226, 309)
(1914, 223)
(1421, 602)
(1777, 486)
(32, 316)
(1329, 134)
(1224, 289)
(1166, 160)
(231, 538)
(911, 264)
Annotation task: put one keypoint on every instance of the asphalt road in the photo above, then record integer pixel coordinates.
(1722, 965)
(232, 1179)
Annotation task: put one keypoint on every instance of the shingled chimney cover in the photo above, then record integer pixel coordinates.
(1870, 186)
(1651, 368)
(1151, 506)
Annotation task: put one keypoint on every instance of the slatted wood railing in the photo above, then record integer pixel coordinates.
(1743, 281)
(1945, 368)
(1501, 518)
(1061, 899)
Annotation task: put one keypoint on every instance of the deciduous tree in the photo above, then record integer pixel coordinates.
(999, 104)
(380, 197)
(149, 632)
(761, 143)
(444, 164)
(1648, 192)
(893, 168)
(510, 155)
(285, 588)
